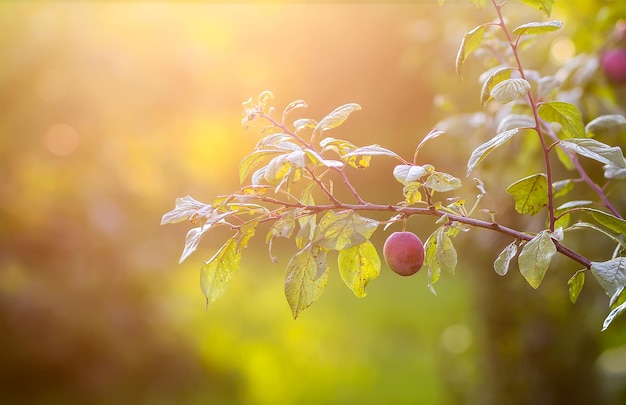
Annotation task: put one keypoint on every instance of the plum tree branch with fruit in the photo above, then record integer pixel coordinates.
(294, 165)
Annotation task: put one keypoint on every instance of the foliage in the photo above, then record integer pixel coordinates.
(295, 165)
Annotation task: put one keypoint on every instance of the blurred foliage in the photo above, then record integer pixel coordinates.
(111, 111)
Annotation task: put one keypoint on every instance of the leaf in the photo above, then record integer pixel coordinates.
(442, 182)
(371, 150)
(344, 230)
(512, 121)
(535, 28)
(562, 187)
(412, 193)
(342, 147)
(431, 135)
(535, 258)
(592, 149)
(530, 194)
(359, 265)
(501, 264)
(481, 152)
(496, 76)
(336, 117)
(608, 220)
(292, 106)
(567, 115)
(186, 208)
(407, 174)
(576, 283)
(304, 123)
(611, 275)
(430, 260)
(616, 310)
(573, 204)
(307, 275)
(319, 160)
(541, 5)
(613, 172)
(445, 252)
(250, 161)
(617, 239)
(606, 125)
(509, 90)
(192, 240)
(471, 41)
(217, 273)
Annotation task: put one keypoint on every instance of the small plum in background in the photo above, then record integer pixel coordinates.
(404, 253)
(613, 62)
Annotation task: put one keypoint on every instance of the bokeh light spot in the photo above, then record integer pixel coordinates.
(456, 339)
(61, 140)
(562, 50)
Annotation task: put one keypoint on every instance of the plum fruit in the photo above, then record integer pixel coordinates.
(613, 62)
(404, 253)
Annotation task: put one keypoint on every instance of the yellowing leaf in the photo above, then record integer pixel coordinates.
(186, 208)
(496, 76)
(535, 257)
(307, 275)
(541, 5)
(216, 274)
(535, 28)
(344, 230)
(250, 161)
(359, 265)
(412, 193)
(471, 42)
(530, 194)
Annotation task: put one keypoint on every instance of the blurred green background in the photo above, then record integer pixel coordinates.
(110, 111)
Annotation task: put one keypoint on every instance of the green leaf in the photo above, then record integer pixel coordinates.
(342, 147)
(359, 265)
(307, 275)
(530, 193)
(541, 5)
(217, 273)
(344, 230)
(573, 204)
(442, 182)
(501, 264)
(592, 149)
(535, 28)
(481, 152)
(610, 221)
(565, 114)
(606, 125)
(407, 174)
(471, 42)
(445, 252)
(535, 258)
(618, 239)
(496, 76)
(509, 90)
(576, 283)
(336, 118)
(562, 187)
